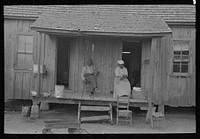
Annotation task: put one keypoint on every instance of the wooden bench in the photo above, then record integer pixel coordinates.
(108, 109)
(72, 126)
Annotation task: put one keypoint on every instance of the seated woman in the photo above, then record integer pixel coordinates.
(88, 74)
(122, 85)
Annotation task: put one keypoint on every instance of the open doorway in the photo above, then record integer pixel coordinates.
(131, 55)
(63, 58)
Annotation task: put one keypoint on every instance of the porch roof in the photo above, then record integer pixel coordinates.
(100, 22)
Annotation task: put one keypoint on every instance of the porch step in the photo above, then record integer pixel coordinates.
(95, 118)
(94, 108)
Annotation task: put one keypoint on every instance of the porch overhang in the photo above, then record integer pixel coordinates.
(89, 33)
(103, 24)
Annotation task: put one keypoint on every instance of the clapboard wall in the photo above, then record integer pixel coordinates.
(17, 81)
(104, 51)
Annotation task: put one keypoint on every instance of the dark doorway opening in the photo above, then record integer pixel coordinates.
(131, 55)
(63, 57)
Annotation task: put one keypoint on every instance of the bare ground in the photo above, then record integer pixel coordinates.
(176, 121)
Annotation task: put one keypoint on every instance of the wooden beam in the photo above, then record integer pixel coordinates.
(95, 118)
(94, 108)
(84, 33)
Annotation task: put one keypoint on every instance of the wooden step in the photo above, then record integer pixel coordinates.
(95, 118)
(94, 108)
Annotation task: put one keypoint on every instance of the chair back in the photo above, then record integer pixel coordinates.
(123, 102)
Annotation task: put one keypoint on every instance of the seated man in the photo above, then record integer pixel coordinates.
(122, 85)
(88, 74)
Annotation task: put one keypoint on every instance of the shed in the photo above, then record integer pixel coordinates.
(157, 43)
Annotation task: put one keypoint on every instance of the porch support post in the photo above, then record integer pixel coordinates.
(150, 93)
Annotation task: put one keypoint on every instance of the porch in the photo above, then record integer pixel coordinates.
(70, 97)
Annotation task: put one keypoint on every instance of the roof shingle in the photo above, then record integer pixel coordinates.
(100, 21)
(170, 13)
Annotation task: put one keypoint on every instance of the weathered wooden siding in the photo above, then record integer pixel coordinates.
(181, 90)
(145, 64)
(48, 58)
(168, 89)
(17, 82)
(104, 51)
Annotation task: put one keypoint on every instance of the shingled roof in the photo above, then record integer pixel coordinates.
(100, 22)
(104, 18)
(170, 13)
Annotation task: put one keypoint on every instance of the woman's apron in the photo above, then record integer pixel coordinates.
(121, 87)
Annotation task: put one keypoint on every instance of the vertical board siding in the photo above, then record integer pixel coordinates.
(181, 90)
(145, 66)
(17, 83)
(165, 62)
(103, 56)
(49, 58)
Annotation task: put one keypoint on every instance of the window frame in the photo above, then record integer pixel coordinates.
(188, 74)
(16, 52)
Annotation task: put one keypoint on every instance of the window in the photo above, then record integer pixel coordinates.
(181, 54)
(24, 52)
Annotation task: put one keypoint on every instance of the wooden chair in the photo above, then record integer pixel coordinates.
(123, 112)
(87, 87)
(158, 116)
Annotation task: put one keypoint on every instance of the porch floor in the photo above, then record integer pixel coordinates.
(70, 97)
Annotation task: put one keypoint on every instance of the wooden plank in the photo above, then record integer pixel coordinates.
(98, 64)
(106, 66)
(67, 95)
(109, 97)
(94, 108)
(103, 65)
(50, 61)
(26, 85)
(80, 64)
(72, 65)
(76, 95)
(76, 75)
(95, 118)
(18, 86)
(87, 97)
(100, 96)
(165, 67)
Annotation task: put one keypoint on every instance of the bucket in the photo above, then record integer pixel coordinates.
(59, 90)
(26, 110)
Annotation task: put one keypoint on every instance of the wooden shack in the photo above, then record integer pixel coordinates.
(157, 43)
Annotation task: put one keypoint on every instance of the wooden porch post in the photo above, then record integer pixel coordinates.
(150, 93)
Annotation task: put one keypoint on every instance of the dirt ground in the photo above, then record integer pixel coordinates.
(177, 120)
